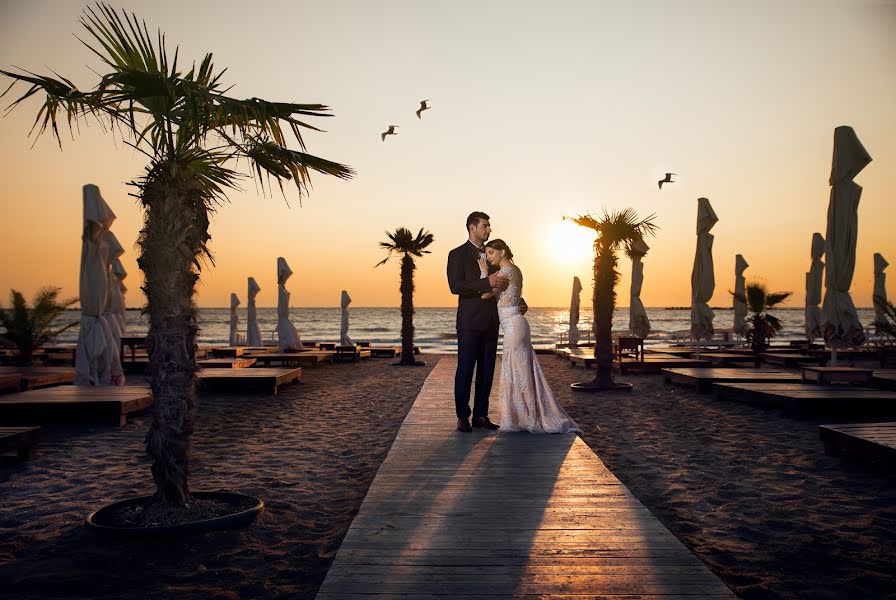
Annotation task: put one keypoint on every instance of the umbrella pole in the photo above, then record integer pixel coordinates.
(833, 355)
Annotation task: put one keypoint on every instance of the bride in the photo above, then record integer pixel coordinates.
(527, 402)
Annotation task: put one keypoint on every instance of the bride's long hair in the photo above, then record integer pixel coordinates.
(501, 245)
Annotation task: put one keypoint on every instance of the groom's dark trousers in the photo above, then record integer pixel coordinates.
(477, 331)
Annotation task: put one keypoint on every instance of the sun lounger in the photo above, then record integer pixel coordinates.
(351, 353)
(309, 358)
(242, 362)
(32, 378)
(830, 375)
(884, 379)
(267, 378)
(70, 404)
(803, 399)
(21, 440)
(655, 362)
(703, 379)
(867, 440)
(791, 360)
(10, 382)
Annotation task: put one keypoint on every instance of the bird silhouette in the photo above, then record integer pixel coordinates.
(422, 107)
(391, 131)
(668, 179)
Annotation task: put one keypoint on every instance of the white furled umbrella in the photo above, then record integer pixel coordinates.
(840, 322)
(574, 305)
(638, 323)
(814, 278)
(344, 339)
(287, 336)
(880, 289)
(121, 307)
(235, 337)
(114, 301)
(703, 281)
(741, 327)
(97, 357)
(253, 334)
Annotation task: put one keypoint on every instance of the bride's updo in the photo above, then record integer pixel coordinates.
(501, 245)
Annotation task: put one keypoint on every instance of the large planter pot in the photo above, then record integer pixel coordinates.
(594, 386)
(108, 521)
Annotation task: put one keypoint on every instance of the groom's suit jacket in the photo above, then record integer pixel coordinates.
(473, 313)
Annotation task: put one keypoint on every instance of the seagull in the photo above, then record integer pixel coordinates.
(391, 131)
(422, 107)
(668, 179)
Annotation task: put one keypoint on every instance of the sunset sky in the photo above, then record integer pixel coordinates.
(539, 110)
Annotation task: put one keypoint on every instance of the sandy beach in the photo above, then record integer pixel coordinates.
(749, 491)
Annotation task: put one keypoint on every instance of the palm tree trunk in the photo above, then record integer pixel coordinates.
(407, 310)
(604, 301)
(174, 234)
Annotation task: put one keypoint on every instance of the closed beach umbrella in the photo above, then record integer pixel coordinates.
(638, 323)
(880, 289)
(96, 345)
(741, 327)
(703, 282)
(234, 320)
(114, 301)
(120, 305)
(344, 340)
(840, 322)
(574, 305)
(814, 279)
(253, 334)
(287, 336)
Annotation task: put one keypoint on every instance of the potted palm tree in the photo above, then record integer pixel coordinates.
(194, 135)
(763, 326)
(615, 231)
(29, 328)
(403, 242)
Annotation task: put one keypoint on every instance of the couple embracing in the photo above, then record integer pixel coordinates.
(489, 288)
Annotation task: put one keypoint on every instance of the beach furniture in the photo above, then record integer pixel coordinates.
(269, 379)
(535, 515)
(21, 440)
(74, 404)
(884, 379)
(656, 362)
(727, 359)
(384, 351)
(790, 360)
(242, 362)
(801, 399)
(830, 375)
(326, 346)
(32, 378)
(703, 379)
(353, 353)
(307, 358)
(133, 342)
(624, 345)
(866, 440)
(227, 351)
(10, 382)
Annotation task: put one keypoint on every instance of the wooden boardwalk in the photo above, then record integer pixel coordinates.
(488, 514)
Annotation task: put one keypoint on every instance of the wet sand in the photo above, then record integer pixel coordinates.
(750, 491)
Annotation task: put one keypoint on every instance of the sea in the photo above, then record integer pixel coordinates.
(434, 328)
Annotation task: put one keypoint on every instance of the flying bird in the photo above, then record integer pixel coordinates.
(668, 179)
(422, 107)
(391, 131)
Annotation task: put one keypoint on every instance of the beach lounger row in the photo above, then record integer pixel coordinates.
(875, 441)
(21, 440)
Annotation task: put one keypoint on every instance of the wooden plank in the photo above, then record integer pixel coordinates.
(21, 440)
(38, 377)
(503, 514)
(808, 399)
(242, 362)
(9, 382)
(703, 379)
(884, 379)
(74, 404)
(267, 378)
(829, 375)
(308, 358)
(864, 440)
(790, 360)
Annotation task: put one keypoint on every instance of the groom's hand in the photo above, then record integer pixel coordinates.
(524, 308)
(498, 280)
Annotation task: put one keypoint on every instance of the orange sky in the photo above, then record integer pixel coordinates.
(539, 110)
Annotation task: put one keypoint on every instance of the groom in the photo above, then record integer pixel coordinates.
(477, 322)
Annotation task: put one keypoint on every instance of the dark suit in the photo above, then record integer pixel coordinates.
(477, 331)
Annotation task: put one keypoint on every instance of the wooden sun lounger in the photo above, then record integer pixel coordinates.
(727, 359)
(867, 440)
(703, 379)
(384, 351)
(829, 375)
(310, 358)
(70, 403)
(793, 360)
(226, 363)
(10, 382)
(351, 353)
(32, 378)
(804, 399)
(21, 440)
(227, 351)
(268, 378)
(884, 379)
(654, 363)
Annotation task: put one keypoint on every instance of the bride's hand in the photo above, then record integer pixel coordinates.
(483, 266)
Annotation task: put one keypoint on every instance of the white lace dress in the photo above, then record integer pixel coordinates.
(527, 402)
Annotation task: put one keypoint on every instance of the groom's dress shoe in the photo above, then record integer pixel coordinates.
(464, 425)
(484, 422)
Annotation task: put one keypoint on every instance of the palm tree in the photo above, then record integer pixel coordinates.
(404, 243)
(30, 328)
(614, 230)
(762, 325)
(888, 325)
(193, 135)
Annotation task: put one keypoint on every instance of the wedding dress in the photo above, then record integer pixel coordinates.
(527, 402)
